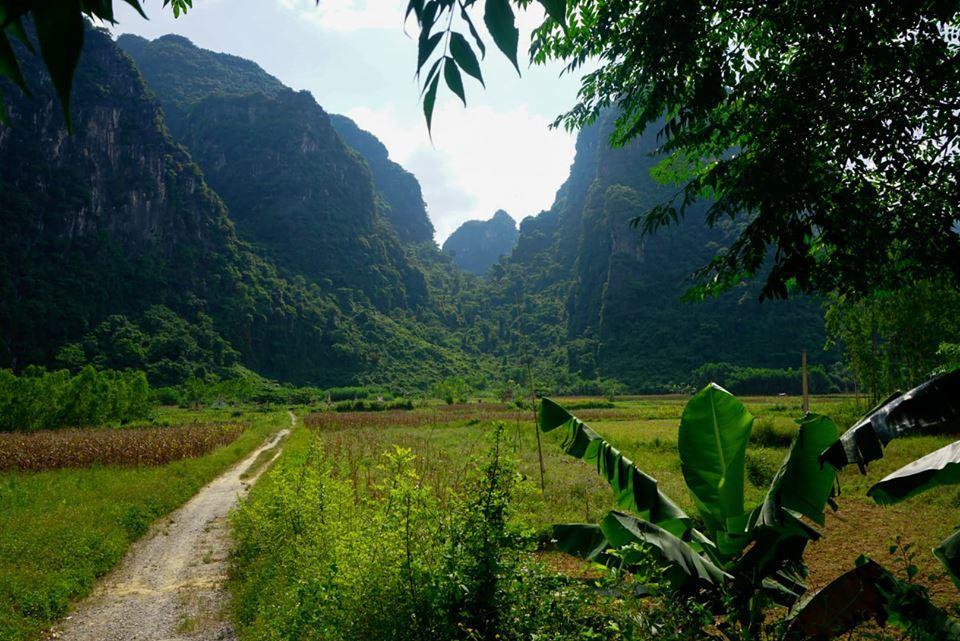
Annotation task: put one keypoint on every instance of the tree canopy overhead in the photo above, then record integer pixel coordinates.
(828, 130)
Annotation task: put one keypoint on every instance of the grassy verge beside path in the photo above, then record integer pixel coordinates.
(61, 529)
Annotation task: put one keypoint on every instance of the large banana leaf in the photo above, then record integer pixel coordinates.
(778, 530)
(948, 553)
(802, 485)
(850, 599)
(714, 431)
(585, 540)
(633, 490)
(935, 405)
(941, 467)
(680, 561)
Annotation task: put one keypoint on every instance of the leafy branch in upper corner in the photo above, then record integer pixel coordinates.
(838, 163)
(59, 30)
(449, 22)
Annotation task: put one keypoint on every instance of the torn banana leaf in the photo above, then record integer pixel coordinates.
(778, 528)
(633, 490)
(869, 591)
(584, 540)
(681, 563)
(941, 467)
(934, 405)
(948, 553)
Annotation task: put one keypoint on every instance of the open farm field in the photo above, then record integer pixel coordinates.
(339, 482)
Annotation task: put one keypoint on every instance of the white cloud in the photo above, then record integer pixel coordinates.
(483, 159)
(349, 15)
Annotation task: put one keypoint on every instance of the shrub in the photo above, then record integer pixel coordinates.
(38, 399)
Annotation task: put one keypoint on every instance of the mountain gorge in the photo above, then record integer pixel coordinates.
(200, 197)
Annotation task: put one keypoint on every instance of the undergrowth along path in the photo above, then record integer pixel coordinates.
(171, 584)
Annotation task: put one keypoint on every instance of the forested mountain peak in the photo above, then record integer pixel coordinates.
(478, 244)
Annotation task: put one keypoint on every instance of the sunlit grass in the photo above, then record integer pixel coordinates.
(61, 529)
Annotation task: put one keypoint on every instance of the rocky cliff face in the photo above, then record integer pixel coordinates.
(297, 192)
(402, 198)
(183, 74)
(116, 218)
(478, 244)
(619, 293)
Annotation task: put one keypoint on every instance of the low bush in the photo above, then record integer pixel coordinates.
(373, 406)
(398, 562)
(767, 432)
(761, 380)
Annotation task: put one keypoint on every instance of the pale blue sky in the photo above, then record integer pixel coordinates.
(354, 57)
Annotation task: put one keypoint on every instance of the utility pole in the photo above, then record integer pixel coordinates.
(806, 386)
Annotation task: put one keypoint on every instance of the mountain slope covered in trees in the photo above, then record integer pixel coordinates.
(116, 218)
(297, 248)
(183, 74)
(617, 295)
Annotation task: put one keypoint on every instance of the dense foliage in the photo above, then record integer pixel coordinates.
(38, 399)
(400, 560)
(896, 339)
(762, 380)
(162, 344)
(829, 131)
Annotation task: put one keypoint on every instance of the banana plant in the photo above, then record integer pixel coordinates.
(746, 552)
(933, 406)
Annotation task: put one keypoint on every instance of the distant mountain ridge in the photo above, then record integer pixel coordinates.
(478, 244)
(264, 232)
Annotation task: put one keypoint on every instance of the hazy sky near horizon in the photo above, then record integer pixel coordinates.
(354, 57)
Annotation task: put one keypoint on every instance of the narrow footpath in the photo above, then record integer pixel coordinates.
(170, 585)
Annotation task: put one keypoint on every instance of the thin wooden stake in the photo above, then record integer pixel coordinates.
(536, 427)
(806, 386)
(533, 397)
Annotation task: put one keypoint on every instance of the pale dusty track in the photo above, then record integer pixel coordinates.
(170, 585)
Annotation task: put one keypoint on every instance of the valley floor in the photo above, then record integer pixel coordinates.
(348, 560)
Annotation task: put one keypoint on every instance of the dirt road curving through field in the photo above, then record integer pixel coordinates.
(170, 585)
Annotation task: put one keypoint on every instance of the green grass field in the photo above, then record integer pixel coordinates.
(61, 529)
(447, 441)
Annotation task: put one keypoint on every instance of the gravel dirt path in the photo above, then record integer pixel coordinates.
(170, 585)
